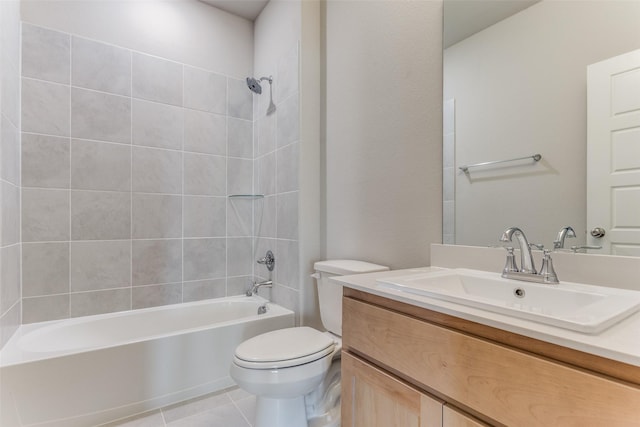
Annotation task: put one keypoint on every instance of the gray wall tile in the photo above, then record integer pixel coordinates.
(97, 215)
(265, 135)
(205, 132)
(45, 107)
(204, 258)
(238, 285)
(239, 256)
(9, 323)
(156, 216)
(157, 125)
(241, 99)
(10, 218)
(288, 121)
(100, 66)
(98, 302)
(45, 215)
(240, 217)
(265, 217)
(10, 276)
(205, 91)
(204, 216)
(156, 295)
(45, 161)
(286, 271)
(205, 175)
(157, 171)
(45, 269)
(157, 261)
(9, 151)
(265, 168)
(46, 54)
(100, 166)
(239, 176)
(10, 94)
(286, 297)
(157, 79)
(287, 173)
(100, 116)
(41, 309)
(203, 289)
(287, 214)
(99, 265)
(240, 139)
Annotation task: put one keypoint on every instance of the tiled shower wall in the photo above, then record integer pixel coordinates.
(127, 161)
(276, 176)
(9, 169)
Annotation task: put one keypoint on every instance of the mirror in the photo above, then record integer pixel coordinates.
(515, 85)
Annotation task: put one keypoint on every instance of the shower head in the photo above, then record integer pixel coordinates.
(254, 84)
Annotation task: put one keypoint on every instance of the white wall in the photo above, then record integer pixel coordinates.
(383, 130)
(186, 31)
(519, 89)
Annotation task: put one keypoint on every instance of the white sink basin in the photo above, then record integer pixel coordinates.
(582, 308)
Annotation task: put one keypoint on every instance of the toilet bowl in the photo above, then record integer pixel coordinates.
(295, 372)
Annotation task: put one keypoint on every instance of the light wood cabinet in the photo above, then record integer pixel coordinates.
(480, 373)
(373, 398)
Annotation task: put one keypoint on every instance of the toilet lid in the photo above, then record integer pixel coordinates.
(284, 348)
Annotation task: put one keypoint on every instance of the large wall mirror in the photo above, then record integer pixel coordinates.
(515, 85)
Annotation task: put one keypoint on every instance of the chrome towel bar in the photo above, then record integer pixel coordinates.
(465, 168)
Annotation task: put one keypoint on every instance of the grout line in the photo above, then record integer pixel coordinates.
(131, 185)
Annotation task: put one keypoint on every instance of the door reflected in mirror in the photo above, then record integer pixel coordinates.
(518, 87)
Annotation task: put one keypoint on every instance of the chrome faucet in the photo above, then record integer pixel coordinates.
(527, 270)
(526, 257)
(562, 234)
(258, 285)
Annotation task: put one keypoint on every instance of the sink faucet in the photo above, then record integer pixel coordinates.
(526, 258)
(258, 285)
(562, 234)
(527, 270)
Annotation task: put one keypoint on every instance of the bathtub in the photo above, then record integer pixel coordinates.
(95, 369)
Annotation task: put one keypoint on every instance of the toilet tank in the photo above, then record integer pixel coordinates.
(330, 293)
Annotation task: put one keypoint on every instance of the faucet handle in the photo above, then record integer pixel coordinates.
(547, 271)
(510, 266)
(538, 246)
(268, 260)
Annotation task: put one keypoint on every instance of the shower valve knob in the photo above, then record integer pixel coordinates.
(268, 260)
(598, 232)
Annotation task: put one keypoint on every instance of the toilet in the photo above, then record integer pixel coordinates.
(295, 372)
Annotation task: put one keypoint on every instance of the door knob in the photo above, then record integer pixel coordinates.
(598, 232)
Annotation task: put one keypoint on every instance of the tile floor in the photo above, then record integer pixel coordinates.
(228, 408)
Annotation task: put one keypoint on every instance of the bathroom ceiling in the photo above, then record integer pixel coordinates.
(463, 18)
(249, 9)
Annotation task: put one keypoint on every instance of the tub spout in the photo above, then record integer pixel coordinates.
(258, 285)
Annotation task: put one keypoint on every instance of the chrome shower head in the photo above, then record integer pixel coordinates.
(254, 84)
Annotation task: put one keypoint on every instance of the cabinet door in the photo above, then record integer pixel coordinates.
(373, 398)
(453, 418)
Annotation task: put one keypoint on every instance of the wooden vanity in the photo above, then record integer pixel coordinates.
(404, 365)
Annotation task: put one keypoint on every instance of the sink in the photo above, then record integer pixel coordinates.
(582, 308)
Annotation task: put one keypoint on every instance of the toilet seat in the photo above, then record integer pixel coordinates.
(284, 348)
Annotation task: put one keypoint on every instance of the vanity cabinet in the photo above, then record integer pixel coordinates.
(408, 366)
(372, 397)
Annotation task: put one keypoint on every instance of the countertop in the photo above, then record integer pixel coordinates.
(620, 342)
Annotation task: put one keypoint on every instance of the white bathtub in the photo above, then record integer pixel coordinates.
(91, 370)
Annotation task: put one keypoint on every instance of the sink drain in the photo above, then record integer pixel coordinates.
(519, 292)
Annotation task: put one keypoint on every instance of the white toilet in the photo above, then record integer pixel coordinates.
(295, 372)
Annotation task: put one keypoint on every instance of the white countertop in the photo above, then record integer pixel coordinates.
(620, 342)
